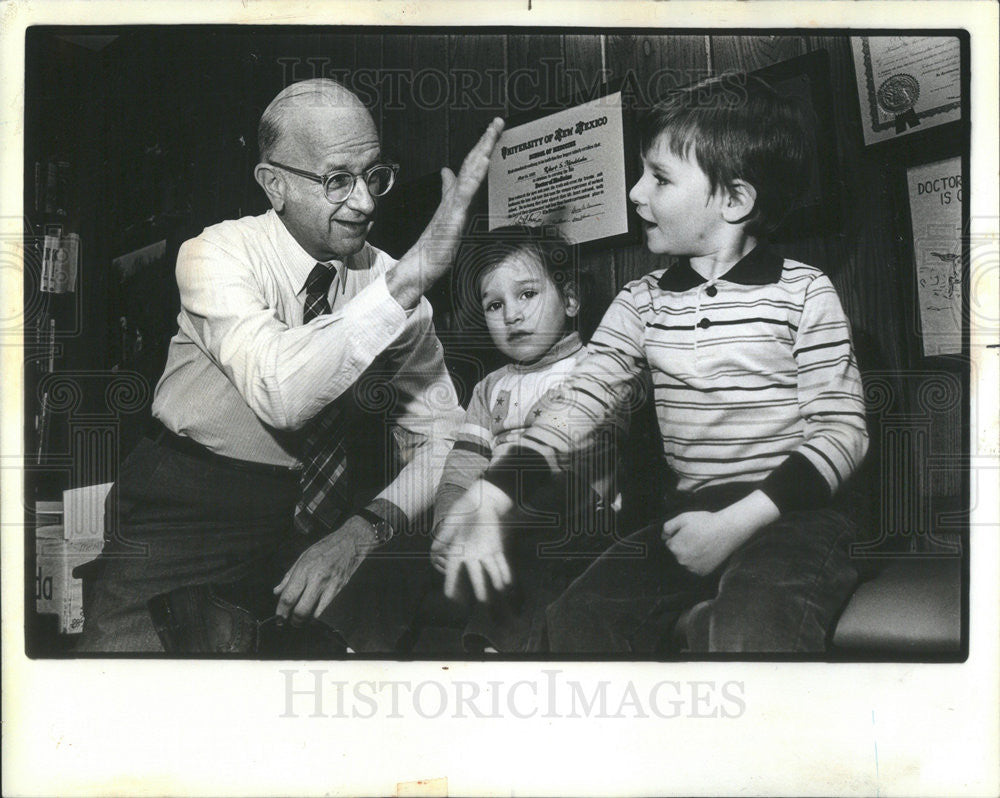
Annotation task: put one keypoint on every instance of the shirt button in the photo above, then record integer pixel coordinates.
(704, 324)
(711, 290)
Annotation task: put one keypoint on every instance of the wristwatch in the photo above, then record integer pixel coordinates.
(382, 528)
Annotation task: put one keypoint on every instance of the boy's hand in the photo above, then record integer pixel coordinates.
(701, 541)
(479, 550)
(471, 537)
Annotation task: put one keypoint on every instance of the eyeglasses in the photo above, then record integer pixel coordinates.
(338, 186)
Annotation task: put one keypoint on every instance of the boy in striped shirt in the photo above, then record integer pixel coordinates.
(756, 390)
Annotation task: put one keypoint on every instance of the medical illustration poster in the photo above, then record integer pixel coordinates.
(935, 191)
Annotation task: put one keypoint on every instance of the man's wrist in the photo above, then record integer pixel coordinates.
(404, 290)
(381, 529)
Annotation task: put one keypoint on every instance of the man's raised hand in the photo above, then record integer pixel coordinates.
(432, 255)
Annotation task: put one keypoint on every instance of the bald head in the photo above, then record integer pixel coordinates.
(315, 128)
(298, 100)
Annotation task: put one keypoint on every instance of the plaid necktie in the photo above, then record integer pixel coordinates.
(324, 495)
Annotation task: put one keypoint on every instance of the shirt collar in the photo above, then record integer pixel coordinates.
(298, 262)
(760, 266)
(561, 349)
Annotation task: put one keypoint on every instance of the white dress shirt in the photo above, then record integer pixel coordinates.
(243, 372)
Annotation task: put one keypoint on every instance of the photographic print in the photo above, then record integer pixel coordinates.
(358, 430)
(201, 406)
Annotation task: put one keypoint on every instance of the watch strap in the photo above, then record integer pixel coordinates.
(383, 529)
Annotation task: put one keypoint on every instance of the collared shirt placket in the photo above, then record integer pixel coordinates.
(701, 322)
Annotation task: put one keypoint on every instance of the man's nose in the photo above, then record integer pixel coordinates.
(360, 199)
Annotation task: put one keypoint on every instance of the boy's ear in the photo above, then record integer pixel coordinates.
(741, 199)
(272, 183)
(571, 298)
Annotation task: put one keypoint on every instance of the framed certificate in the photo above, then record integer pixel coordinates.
(907, 84)
(565, 169)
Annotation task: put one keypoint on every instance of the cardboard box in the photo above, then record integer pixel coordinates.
(84, 512)
(56, 591)
(48, 513)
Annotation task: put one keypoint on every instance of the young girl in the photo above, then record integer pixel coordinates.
(523, 280)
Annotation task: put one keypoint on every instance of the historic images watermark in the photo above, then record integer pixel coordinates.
(519, 90)
(319, 693)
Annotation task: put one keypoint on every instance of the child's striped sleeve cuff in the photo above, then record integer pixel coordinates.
(517, 466)
(796, 485)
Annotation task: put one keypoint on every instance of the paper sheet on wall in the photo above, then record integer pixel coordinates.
(935, 191)
(60, 262)
(906, 83)
(566, 169)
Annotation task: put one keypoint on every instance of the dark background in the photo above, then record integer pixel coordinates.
(158, 125)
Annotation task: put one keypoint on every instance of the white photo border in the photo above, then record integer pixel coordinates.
(148, 727)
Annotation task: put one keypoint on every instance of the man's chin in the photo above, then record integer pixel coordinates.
(346, 246)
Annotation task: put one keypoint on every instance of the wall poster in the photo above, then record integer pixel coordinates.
(935, 191)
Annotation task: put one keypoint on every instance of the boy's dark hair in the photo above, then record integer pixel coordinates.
(738, 128)
(480, 253)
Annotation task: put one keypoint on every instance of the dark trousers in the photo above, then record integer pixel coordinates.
(780, 591)
(376, 610)
(175, 519)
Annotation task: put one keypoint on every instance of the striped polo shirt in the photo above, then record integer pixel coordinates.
(753, 374)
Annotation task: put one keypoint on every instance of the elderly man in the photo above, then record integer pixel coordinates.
(285, 320)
